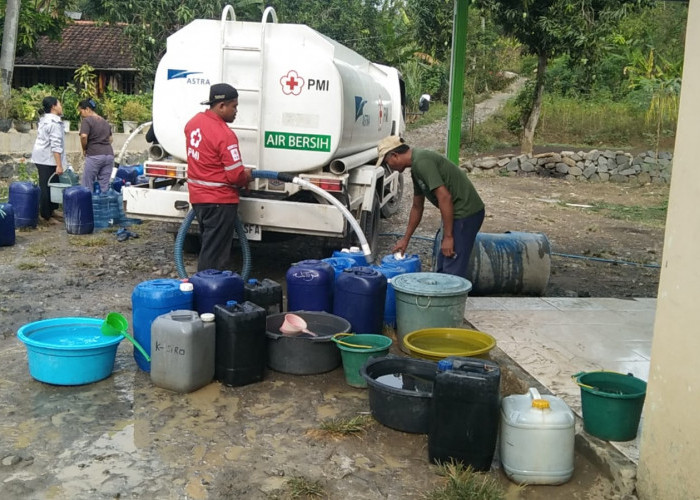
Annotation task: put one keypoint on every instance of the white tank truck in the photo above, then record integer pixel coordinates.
(308, 106)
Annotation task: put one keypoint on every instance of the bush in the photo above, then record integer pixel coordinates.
(135, 111)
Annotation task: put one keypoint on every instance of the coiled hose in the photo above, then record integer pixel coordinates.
(245, 246)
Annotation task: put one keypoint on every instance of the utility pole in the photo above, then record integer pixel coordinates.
(456, 99)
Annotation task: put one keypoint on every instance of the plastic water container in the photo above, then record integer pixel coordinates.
(213, 287)
(128, 173)
(241, 343)
(428, 300)
(7, 225)
(151, 299)
(310, 286)
(77, 210)
(266, 293)
(24, 198)
(464, 412)
(537, 438)
(354, 253)
(340, 263)
(390, 272)
(182, 347)
(359, 296)
(411, 263)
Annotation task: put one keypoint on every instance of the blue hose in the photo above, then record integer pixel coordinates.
(245, 246)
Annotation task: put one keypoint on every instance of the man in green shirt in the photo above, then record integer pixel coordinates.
(447, 187)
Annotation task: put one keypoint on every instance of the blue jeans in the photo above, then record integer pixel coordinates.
(464, 231)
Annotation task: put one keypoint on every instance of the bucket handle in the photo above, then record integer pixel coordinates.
(575, 378)
(338, 341)
(425, 306)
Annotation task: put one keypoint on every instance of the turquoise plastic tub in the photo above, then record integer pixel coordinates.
(69, 351)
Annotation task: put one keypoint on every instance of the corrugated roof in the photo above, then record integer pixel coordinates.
(102, 46)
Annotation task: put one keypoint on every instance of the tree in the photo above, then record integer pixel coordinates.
(547, 28)
(150, 22)
(23, 23)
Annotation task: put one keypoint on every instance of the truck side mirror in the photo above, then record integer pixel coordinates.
(424, 103)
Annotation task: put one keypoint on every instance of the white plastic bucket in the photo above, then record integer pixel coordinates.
(537, 438)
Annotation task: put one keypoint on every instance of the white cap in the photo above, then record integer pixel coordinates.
(186, 287)
(354, 249)
(399, 256)
(207, 317)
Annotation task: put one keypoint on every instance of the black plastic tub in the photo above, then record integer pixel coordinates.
(400, 392)
(304, 354)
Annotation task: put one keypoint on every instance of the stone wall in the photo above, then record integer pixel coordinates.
(592, 166)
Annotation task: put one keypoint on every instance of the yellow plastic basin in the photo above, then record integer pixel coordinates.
(438, 343)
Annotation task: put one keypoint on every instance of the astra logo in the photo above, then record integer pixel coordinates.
(360, 110)
(174, 74)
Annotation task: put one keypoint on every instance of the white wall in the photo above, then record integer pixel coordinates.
(669, 465)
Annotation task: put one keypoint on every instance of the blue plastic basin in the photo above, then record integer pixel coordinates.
(68, 351)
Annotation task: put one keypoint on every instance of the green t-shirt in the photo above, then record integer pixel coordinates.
(430, 170)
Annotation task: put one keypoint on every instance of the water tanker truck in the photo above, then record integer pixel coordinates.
(308, 106)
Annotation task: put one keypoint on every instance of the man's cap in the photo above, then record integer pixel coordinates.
(220, 92)
(387, 145)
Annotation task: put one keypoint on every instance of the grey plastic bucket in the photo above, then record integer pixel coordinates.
(428, 300)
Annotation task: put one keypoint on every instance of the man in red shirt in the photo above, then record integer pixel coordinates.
(214, 173)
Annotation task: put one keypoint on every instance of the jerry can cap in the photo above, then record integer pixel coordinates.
(186, 287)
(540, 404)
(207, 317)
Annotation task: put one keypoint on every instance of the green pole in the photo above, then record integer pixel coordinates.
(454, 112)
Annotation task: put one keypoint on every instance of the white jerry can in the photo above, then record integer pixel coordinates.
(537, 438)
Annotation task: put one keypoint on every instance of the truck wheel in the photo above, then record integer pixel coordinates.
(369, 223)
(393, 206)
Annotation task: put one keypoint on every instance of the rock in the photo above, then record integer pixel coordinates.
(562, 168)
(11, 460)
(576, 171)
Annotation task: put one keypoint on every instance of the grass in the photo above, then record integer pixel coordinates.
(301, 487)
(346, 426)
(652, 215)
(464, 483)
(39, 251)
(99, 240)
(437, 112)
(28, 266)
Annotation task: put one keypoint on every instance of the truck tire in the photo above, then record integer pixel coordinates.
(393, 206)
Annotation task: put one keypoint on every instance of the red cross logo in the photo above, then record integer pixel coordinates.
(292, 83)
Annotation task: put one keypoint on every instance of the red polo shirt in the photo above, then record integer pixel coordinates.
(214, 164)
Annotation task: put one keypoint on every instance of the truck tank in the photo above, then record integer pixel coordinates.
(304, 99)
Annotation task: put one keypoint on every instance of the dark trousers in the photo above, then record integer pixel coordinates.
(464, 231)
(46, 207)
(216, 227)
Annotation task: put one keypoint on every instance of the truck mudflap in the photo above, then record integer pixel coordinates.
(279, 216)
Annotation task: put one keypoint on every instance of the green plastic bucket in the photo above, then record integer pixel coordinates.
(612, 404)
(428, 300)
(355, 350)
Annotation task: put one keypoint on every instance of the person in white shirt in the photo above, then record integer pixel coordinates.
(49, 153)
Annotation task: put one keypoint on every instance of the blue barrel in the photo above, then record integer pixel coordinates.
(212, 287)
(77, 210)
(514, 262)
(310, 286)
(353, 253)
(390, 272)
(7, 225)
(340, 263)
(359, 297)
(149, 300)
(24, 198)
(411, 263)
